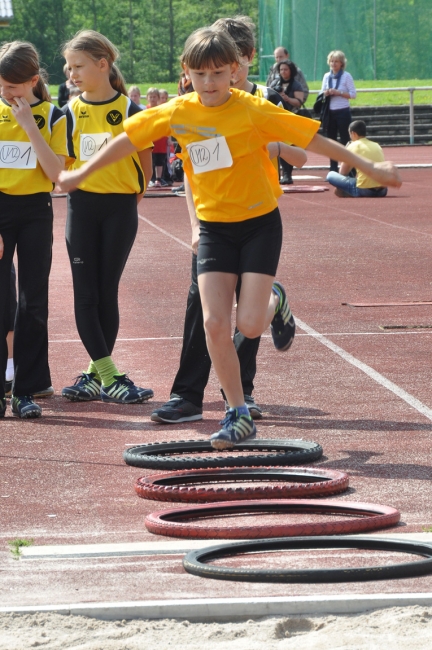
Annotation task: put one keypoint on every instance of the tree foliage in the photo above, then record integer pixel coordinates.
(149, 33)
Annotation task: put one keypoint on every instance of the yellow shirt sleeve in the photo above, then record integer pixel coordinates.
(149, 125)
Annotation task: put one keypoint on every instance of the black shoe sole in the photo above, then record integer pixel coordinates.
(187, 418)
(75, 398)
(31, 415)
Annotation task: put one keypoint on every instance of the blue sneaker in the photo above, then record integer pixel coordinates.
(235, 428)
(283, 324)
(24, 407)
(2, 407)
(85, 388)
(124, 391)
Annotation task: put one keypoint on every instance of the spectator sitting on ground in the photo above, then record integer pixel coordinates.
(153, 97)
(362, 185)
(163, 96)
(282, 54)
(134, 94)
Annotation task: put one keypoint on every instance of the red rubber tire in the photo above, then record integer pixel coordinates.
(173, 486)
(166, 522)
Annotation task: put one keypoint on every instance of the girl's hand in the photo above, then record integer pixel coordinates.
(68, 181)
(23, 114)
(1, 247)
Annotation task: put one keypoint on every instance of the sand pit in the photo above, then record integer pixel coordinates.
(397, 627)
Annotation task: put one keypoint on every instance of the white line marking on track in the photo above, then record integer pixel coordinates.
(358, 214)
(376, 376)
(346, 356)
(165, 232)
(264, 336)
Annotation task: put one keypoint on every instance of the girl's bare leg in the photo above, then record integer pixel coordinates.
(217, 294)
(257, 304)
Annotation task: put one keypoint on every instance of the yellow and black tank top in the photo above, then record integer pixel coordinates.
(90, 126)
(20, 170)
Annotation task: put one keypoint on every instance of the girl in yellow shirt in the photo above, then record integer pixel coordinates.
(32, 153)
(223, 133)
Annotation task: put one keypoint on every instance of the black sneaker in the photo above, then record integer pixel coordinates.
(8, 388)
(254, 409)
(2, 407)
(235, 428)
(177, 409)
(85, 388)
(124, 391)
(25, 407)
(283, 324)
(286, 180)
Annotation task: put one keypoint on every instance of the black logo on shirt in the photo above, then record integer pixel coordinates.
(40, 121)
(83, 113)
(114, 117)
(4, 118)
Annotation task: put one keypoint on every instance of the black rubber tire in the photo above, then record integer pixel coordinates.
(195, 561)
(290, 482)
(157, 455)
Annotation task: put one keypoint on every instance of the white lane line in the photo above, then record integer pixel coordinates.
(264, 336)
(165, 232)
(376, 376)
(358, 214)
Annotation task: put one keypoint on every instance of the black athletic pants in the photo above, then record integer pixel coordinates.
(26, 224)
(195, 363)
(338, 121)
(100, 231)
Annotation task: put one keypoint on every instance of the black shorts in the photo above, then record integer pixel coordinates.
(251, 246)
(159, 159)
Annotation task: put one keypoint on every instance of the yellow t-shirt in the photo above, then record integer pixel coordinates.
(91, 125)
(20, 171)
(371, 151)
(250, 187)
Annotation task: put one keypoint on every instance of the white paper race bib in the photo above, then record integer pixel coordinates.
(91, 143)
(17, 155)
(208, 155)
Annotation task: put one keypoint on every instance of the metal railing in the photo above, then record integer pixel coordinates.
(410, 89)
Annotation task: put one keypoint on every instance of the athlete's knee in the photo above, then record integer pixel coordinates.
(248, 325)
(217, 328)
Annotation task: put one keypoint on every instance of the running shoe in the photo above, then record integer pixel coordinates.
(8, 388)
(235, 428)
(124, 391)
(2, 407)
(254, 409)
(85, 388)
(177, 409)
(283, 324)
(24, 407)
(46, 392)
(179, 188)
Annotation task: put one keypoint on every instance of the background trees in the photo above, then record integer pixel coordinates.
(149, 33)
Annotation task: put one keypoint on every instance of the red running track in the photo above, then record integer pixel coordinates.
(360, 391)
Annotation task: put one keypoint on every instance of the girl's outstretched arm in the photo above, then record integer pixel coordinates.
(292, 155)
(118, 148)
(384, 173)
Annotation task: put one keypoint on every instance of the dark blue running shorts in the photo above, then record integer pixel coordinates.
(251, 246)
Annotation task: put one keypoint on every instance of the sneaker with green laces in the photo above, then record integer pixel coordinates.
(283, 325)
(124, 391)
(235, 428)
(85, 388)
(24, 407)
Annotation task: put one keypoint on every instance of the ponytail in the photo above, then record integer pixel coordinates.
(41, 90)
(117, 80)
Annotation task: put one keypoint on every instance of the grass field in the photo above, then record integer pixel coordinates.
(363, 99)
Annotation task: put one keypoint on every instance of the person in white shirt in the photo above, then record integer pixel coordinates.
(338, 85)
